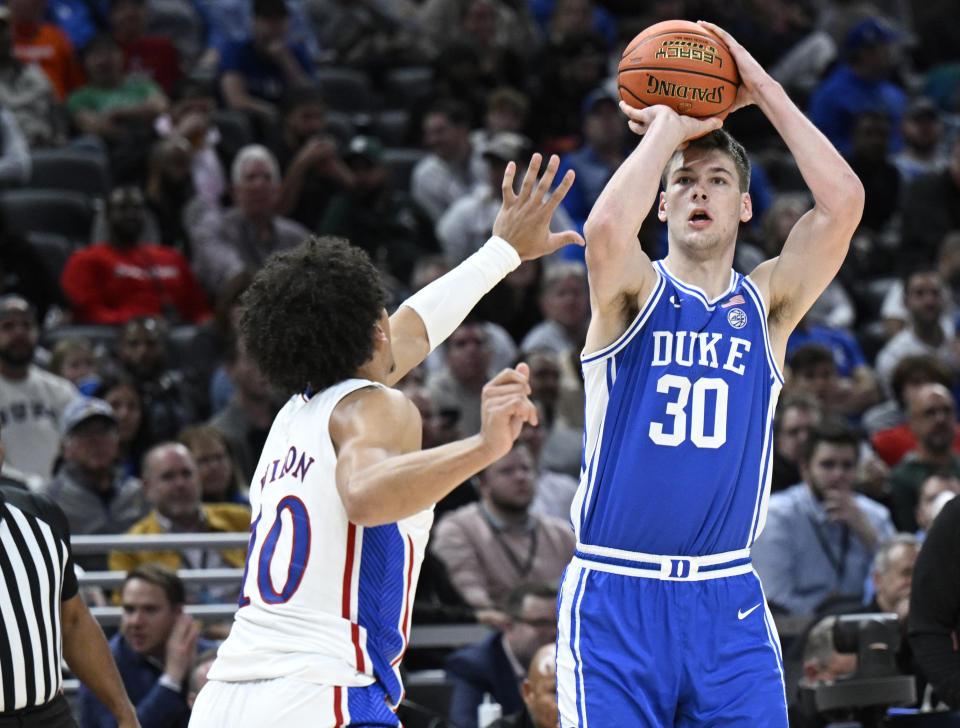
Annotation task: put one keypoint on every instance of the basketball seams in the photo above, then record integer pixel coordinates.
(632, 94)
(686, 68)
(684, 71)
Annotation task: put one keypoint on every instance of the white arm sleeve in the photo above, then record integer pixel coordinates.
(445, 303)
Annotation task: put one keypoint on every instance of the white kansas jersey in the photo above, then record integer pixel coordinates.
(323, 599)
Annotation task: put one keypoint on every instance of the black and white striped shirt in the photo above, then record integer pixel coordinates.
(36, 574)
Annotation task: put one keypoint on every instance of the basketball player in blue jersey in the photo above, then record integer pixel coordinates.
(343, 494)
(662, 620)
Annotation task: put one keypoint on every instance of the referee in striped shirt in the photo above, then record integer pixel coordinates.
(42, 616)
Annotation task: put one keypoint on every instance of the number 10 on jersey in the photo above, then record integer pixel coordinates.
(264, 552)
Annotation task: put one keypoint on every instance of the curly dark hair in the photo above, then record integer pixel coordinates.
(308, 315)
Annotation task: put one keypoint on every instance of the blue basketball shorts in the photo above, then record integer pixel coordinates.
(652, 641)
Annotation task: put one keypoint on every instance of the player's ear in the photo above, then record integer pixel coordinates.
(526, 690)
(662, 207)
(746, 207)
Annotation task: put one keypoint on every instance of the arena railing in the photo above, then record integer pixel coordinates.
(426, 636)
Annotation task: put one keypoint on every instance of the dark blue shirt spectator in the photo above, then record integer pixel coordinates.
(158, 705)
(861, 83)
(264, 77)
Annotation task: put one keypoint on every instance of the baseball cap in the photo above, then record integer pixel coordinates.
(598, 95)
(507, 146)
(921, 107)
(13, 303)
(82, 409)
(869, 32)
(367, 147)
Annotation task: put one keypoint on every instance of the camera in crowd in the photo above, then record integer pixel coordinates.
(864, 696)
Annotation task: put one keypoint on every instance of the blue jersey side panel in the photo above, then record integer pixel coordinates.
(678, 433)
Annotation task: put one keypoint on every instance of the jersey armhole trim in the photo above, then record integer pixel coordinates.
(635, 325)
(758, 301)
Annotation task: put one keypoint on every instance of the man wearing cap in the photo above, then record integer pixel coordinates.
(31, 399)
(45, 621)
(89, 485)
(931, 207)
(924, 150)
(599, 155)
(860, 83)
(388, 223)
(467, 223)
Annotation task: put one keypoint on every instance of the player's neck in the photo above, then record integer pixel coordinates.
(711, 275)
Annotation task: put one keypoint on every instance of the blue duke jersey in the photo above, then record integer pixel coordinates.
(323, 600)
(678, 428)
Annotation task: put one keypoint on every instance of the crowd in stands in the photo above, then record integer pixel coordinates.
(154, 153)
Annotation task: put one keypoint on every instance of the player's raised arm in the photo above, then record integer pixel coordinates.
(384, 476)
(520, 232)
(619, 272)
(818, 243)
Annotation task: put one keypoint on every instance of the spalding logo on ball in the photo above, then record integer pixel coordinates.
(681, 65)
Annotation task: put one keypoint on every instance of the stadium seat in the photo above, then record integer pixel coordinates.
(62, 212)
(101, 337)
(340, 126)
(401, 161)
(234, 127)
(71, 169)
(405, 85)
(345, 89)
(392, 127)
(51, 251)
(189, 346)
(427, 692)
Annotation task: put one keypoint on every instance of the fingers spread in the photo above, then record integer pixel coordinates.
(568, 237)
(543, 186)
(530, 178)
(507, 185)
(556, 197)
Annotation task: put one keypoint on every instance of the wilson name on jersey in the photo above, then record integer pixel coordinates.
(323, 599)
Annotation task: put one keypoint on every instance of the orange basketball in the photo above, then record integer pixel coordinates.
(681, 65)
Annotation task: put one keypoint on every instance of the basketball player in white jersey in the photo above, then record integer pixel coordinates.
(342, 497)
(662, 620)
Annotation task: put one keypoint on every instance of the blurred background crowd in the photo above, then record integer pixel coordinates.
(154, 153)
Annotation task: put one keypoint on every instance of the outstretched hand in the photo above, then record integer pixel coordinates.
(688, 127)
(524, 217)
(752, 74)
